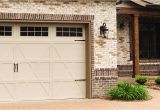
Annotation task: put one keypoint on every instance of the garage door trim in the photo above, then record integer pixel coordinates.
(53, 18)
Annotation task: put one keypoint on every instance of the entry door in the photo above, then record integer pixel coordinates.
(7, 77)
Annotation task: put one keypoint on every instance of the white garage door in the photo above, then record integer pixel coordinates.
(42, 61)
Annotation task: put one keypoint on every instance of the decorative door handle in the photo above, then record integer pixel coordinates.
(17, 67)
(14, 68)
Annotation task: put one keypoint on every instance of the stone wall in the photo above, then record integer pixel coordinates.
(105, 50)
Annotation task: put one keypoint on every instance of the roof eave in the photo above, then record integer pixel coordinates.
(154, 6)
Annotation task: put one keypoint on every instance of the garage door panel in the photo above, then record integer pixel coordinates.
(33, 91)
(42, 70)
(32, 51)
(69, 70)
(69, 51)
(7, 80)
(61, 71)
(68, 90)
(6, 52)
(6, 72)
(25, 72)
(33, 71)
(78, 69)
(7, 91)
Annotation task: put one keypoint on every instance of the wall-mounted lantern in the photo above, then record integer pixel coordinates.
(104, 30)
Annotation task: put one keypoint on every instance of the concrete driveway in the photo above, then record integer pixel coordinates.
(86, 104)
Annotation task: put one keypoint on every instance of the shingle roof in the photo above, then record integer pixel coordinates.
(156, 2)
(144, 3)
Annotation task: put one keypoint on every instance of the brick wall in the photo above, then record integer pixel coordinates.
(103, 80)
(149, 69)
(105, 50)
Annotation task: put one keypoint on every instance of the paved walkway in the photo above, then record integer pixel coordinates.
(86, 104)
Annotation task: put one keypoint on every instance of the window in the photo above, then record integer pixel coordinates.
(5, 31)
(149, 38)
(69, 32)
(34, 31)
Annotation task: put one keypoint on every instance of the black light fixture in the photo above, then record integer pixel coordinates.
(104, 30)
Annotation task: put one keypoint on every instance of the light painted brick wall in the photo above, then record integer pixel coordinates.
(123, 40)
(105, 49)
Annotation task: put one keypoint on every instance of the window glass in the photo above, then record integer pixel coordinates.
(79, 34)
(38, 34)
(30, 33)
(69, 32)
(1, 28)
(59, 28)
(44, 28)
(5, 31)
(38, 29)
(59, 34)
(24, 34)
(73, 29)
(8, 33)
(2, 34)
(34, 31)
(44, 33)
(65, 28)
(8, 28)
(23, 28)
(72, 34)
(66, 34)
(79, 29)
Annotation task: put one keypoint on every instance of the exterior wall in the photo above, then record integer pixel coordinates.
(105, 50)
(123, 40)
(123, 32)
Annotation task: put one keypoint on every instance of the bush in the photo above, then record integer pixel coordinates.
(126, 91)
(157, 80)
(141, 80)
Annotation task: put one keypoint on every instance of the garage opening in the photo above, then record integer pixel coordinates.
(42, 61)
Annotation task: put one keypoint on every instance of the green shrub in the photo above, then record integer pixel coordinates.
(126, 91)
(141, 80)
(157, 80)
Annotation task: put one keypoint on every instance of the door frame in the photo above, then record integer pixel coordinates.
(66, 19)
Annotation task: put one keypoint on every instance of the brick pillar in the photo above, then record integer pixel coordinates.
(102, 81)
